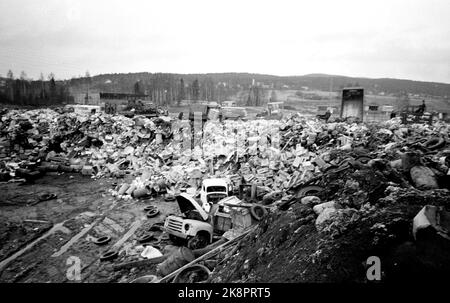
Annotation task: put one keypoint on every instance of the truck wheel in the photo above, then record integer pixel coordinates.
(199, 241)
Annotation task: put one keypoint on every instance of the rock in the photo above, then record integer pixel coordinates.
(325, 215)
(423, 178)
(318, 209)
(310, 200)
(397, 164)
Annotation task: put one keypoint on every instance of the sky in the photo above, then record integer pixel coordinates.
(406, 39)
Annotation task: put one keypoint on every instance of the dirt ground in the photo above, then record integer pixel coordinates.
(39, 250)
(287, 247)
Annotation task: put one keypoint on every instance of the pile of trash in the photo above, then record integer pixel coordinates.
(274, 155)
(39, 141)
(371, 184)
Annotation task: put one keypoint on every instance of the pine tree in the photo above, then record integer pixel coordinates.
(195, 90)
(181, 92)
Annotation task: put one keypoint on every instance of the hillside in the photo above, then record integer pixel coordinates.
(125, 82)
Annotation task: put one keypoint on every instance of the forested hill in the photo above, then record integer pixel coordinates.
(125, 82)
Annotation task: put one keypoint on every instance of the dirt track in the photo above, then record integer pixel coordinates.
(37, 251)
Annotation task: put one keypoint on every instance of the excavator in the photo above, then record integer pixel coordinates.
(143, 108)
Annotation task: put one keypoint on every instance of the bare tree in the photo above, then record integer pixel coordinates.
(23, 75)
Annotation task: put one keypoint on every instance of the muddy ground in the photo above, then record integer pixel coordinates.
(38, 240)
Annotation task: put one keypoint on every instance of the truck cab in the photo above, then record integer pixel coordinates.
(214, 190)
(197, 226)
(193, 225)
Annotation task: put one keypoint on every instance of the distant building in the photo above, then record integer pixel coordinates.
(376, 113)
(91, 98)
(119, 101)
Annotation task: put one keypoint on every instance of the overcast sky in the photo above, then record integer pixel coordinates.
(398, 39)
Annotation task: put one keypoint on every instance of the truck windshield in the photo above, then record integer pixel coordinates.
(211, 189)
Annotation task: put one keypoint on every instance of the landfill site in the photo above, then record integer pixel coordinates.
(97, 197)
(224, 150)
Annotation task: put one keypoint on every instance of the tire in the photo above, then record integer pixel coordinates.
(156, 227)
(193, 268)
(146, 238)
(363, 159)
(149, 208)
(169, 198)
(257, 212)
(311, 190)
(200, 240)
(109, 255)
(152, 213)
(434, 143)
(102, 240)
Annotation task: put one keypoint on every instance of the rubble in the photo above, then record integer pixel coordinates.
(319, 181)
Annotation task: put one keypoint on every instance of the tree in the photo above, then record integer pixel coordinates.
(195, 90)
(23, 75)
(52, 90)
(137, 88)
(181, 92)
(10, 75)
(41, 82)
(51, 76)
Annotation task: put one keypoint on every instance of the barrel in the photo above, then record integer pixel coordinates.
(140, 192)
(123, 188)
(178, 259)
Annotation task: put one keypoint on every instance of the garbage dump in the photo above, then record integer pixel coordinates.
(99, 145)
(329, 194)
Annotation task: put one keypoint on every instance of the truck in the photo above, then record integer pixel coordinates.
(192, 225)
(213, 190)
(197, 227)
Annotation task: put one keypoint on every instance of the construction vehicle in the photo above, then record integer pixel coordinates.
(143, 108)
(273, 111)
(415, 114)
